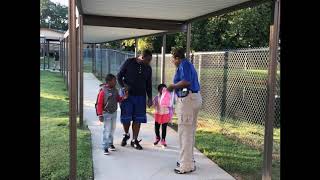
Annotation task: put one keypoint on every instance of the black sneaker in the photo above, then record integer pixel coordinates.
(112, 148)
(179, 171)
(124, 140)
(106, 152)
(136, 144)
(156, 141)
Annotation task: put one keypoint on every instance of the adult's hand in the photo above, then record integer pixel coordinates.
(149, 102)
(126, 94)
(171, 87)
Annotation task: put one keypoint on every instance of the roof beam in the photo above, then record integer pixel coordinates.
(137, 23)
(132, 37)
(243, 5)
(79, 6)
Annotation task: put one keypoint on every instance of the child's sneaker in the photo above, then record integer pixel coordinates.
(156, 141)
(106, 152)
(112, 148)
(163, 143)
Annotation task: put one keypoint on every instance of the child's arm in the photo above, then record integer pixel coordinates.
(100, 104)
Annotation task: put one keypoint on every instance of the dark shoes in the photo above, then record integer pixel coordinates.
(156, 141)
(135, 144)
(124, 140)
(178, 170)
(112, 148)
(106, 152)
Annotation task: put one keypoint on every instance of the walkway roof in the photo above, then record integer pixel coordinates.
(109, 20)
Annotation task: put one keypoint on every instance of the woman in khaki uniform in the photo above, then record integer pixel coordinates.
(187, 88)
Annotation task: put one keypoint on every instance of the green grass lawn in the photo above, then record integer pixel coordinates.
(54, 141)
(235, 147)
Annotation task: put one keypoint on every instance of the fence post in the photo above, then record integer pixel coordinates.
(163, 55)
(188, 40)
(93, 57)
(72, 91)
(108, 60)
(48, 44)
(192, 58)
(246, 62)
(45, 54)
(77, 70)
(81, 69)
(100, 62)
(199, 70)
(60, 58)
(156, 69)
(65, 59)
(224, 90)
(67, 66)
(272, 70)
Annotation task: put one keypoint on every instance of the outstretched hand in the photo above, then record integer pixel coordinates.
(171, 87)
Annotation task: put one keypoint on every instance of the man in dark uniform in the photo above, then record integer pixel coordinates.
(135, 76)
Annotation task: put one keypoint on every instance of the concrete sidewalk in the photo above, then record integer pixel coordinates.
(151, 163)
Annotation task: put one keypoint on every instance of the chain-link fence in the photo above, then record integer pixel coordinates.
(87, 59)
(233, 82)
(102, 61)
(50, 55)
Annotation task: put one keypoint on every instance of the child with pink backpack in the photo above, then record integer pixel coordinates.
(163, 104)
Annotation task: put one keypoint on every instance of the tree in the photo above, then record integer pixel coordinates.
(145, 43)
(252, 26)
(54, 16)
(244, 28)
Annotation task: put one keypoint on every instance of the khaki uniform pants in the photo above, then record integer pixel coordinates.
(187, 112)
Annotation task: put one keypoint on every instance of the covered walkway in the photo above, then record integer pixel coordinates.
(102, 21)
(152, 163)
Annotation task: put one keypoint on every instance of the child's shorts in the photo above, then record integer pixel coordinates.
(133, 109)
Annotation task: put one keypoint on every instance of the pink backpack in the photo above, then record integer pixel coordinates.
(165, 99)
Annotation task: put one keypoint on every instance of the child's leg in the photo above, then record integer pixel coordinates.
(106, 130)
(164, 130)
(157, 129)
(113, 127)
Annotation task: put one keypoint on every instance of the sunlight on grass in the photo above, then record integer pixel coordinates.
(54, 133)
(53, 97)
